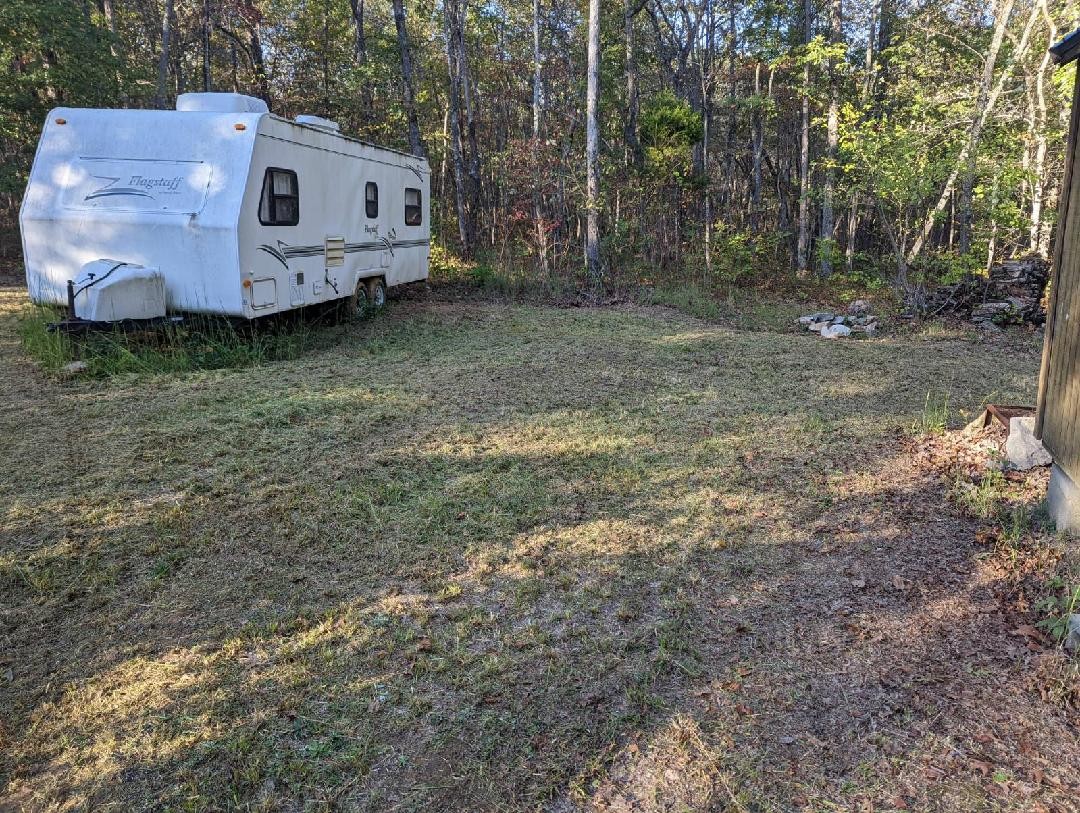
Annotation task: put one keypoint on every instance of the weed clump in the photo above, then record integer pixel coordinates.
(198, 343)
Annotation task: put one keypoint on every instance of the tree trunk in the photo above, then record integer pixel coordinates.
(360, 45)
(234, 64)
(206, 77)
(324, 54)
(757, 138)
(706, 106)
(360, 36)
(732, 125)
(537, 110)
(992, 246)
(828, 224)
(865, 95)
(867, 91)
(633, 101)
(468, 89)
(538, 72)
(163, 57)
(967, 179)
(416, 142)
(451, 11)
(880, 79)
(110, 21)
(1036, 243)
(592, 149)
(253, 47)
(442, 173)
(802, 252)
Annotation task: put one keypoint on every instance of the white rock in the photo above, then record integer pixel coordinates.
(805, 320)
(835, 332)
(75, 367)
(817, 326)
(1023, 450)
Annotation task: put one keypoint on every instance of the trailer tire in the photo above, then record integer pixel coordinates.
(358, 304)
(376, 293)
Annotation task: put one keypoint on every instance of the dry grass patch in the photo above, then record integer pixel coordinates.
(465, 557)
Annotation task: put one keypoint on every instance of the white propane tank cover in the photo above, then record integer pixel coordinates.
(110, 290)
(320, 122)
(220, 103)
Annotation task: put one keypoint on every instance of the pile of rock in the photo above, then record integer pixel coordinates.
(1012, 294)
(858, 319)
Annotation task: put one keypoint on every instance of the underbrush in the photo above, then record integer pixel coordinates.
(734, 292)
(506, 277)
(197, 343)
(690, 299)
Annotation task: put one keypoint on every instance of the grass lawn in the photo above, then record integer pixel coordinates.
(482, 557)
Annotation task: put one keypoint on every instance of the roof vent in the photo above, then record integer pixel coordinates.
(320, 122)
(220, 103)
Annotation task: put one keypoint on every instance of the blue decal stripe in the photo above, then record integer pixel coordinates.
(284, 253)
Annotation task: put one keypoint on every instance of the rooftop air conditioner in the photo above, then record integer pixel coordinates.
(220, 103)
(320, 122)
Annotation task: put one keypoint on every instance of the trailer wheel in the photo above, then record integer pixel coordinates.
(359, 302)
(376, 292)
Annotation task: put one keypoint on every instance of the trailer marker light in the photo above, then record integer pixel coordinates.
(61, 121)
(247, 283)
(239, 126)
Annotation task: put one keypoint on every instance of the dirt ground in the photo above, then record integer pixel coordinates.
(483, 557)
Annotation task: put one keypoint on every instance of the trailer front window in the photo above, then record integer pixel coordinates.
(414, 213)
(280, 203)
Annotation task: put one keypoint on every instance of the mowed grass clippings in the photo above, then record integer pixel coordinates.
(484, 557)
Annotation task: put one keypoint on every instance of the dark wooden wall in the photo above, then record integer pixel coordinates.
(1058, 422)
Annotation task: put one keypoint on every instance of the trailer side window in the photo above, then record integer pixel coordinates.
(414, 213)
(371, 199)
(280, 203)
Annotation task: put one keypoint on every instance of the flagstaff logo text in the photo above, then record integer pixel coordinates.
(161, 184)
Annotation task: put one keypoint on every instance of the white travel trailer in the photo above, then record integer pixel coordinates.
(217, 207)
